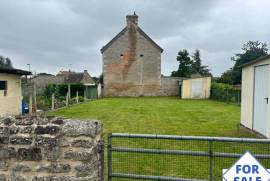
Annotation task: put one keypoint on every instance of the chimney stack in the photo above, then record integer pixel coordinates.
(132, 19)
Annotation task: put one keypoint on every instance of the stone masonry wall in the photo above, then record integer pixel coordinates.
(49, 149)
(170, 85)
(132, 65)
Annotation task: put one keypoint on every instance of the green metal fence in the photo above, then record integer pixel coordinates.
(178, 158)
(226, 95)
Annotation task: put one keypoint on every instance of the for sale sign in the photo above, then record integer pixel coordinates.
(247, 168)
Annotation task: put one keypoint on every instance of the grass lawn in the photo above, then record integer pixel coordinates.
(166, 115)
(161, 115)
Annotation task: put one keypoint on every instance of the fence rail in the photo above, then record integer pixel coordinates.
(178, 158)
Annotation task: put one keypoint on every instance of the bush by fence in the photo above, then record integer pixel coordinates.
(60, 90)
(225, 93)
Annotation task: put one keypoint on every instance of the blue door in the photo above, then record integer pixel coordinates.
(261, 95)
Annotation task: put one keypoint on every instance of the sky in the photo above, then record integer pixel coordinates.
(54, 35)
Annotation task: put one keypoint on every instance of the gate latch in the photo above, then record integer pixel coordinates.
(266, 100)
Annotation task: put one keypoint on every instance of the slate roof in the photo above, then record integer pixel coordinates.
(77, 78)
(14, 71)
(74, 78)
(255, 61)
(123, 31)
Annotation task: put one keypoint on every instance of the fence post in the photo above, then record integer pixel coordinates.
(67, 100)
(52, 101)
(69, 94)
(210, 161)
(101, 152)
(77, 97)
(30, 106)
(35, 97)
(109, 157)
(227, 96)
(84, 94)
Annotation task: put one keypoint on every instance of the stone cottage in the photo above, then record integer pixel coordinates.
(63, 77)
(132, 63)
(132, 67)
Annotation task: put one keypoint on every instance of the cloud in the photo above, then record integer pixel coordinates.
(56, 34)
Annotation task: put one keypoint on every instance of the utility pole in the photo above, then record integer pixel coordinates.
(29, 68)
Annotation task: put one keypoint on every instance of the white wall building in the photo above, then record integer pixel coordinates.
(255, 106)
(11, 91)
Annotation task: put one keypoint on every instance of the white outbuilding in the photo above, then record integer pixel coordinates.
(255, 106)
(196, 87)
(11, 91)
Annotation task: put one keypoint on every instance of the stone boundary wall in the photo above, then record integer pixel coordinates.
(170, 85)
(49, 149)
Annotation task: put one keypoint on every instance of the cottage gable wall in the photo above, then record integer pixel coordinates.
(132, 64)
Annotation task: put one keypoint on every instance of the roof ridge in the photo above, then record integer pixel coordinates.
(124, 30)
(113, 39)
(151, 40)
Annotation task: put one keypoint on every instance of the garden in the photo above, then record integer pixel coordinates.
(166, 116)
(161, 115)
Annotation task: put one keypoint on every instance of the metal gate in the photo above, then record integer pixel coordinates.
(178, 158)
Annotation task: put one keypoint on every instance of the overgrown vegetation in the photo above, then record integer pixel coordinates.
(45, 103)
(44, 100)
(60, 90)
(225, 93)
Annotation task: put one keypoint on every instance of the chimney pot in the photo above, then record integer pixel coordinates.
(132, 19)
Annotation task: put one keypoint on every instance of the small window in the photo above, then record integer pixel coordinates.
(141, 55)
(3, 85)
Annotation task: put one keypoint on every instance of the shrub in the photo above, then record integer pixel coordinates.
(43, 103)
(60, 90)
(225, 92)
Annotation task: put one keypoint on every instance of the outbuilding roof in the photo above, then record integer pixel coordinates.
(255, 61)
(123, 31)
(14, 71)
(76, 77)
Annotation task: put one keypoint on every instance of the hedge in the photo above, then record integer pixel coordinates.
(225, 93)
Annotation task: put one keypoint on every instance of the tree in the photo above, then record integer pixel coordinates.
(197, 64)
(188, 66)
(226, 77)
(9, 63)
(185, 65)
(5, 62)
(251, 51)
(2, 61)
